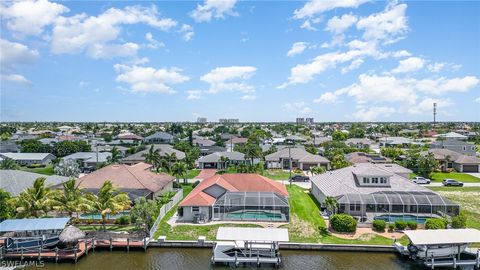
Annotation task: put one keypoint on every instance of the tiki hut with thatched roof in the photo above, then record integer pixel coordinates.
(70, 235)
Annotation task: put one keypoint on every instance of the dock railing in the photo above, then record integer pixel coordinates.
(164, 210)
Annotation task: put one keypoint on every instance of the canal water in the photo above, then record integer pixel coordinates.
(199, 259)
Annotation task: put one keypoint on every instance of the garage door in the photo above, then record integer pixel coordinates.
(470, 168)
(307, 166)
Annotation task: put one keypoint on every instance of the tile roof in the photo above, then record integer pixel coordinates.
(160, 135)
(442, 153)
(27, 156)
(89, 156)
(232, 182)
(15, 181)
(163, 149)
(297, 154)
(215, 157)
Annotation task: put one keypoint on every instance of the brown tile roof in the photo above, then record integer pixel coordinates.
(126, 177)
(232, 182)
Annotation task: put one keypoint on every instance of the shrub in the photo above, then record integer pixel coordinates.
(391, 227)
(123, 220)
(195, 184)
(435, 224)
(379, 225)
(33, 166)
(412, 225)
(400, 225)
(459, 221)
(343, 223)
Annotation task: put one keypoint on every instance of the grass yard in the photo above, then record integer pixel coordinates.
(48, 170)
(463, 177)
(277, 174)
(115, 228)
(469, 200)
(193, 173)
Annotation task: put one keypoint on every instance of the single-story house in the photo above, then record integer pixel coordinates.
(135, 180)
(361, 157)
(159, 137)
(163, 149)
(395, 141)
(250, 197)
(25, 159)
(451, 135)
(15, 181)
(203, 142)
(300, 158)
(129, 138)
(109, 148)
(89, 159)
(374, 191)
(207, 150)
(449, 159)
(359, 142)
(214, 160)
(455, 145)
(9, 147)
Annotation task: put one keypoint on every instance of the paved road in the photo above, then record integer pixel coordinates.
(464, 184)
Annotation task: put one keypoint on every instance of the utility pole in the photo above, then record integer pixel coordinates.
(434, 114)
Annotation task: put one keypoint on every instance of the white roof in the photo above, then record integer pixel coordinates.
(252, 234)
(444, 236)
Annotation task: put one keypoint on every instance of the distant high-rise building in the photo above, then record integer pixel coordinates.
(228, 120)
(201, 120)
(309, 121)
(300, 120)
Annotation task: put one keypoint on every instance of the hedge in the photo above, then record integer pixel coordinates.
(412, 225)
(343, 223)
(379, 225)
(123, 220)
(400, 225)
(459, 221)
(435, 224)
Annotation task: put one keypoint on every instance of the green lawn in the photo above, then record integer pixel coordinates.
(193, 173)
(115, 228)
(469, 200)
(277, 174)
(48, 170)
(463, 177)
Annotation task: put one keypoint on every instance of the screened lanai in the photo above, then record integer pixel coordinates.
(252, 206)
(416, 203)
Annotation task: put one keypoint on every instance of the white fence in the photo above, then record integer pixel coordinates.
(164, 210)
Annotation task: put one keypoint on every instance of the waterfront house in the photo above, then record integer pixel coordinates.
(159, 137)
(449, 159)
(300, 158)
(135, 180)
(250, 197)
(25, 159)
(458, 146)
(163, 149)
(377, 191)
(15, 181)
(221, 160)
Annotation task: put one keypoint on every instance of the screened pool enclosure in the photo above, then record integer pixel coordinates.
(252, 206)
(417, 203)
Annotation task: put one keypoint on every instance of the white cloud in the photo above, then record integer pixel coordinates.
(436, 67)
(194, 94)
(96, 34)
(409, 65)
(213, 9)
(307, 25)
(299, 107)
(401, 53)
(442, 85)
(297, 48)
(338, 25)
(249, 97)
(12, 56)
(229, 79)
(426, 105)
(327, 97)
(152, 42)
(30, 17)
(388, 26)
(187, 31)
(353, 65)
(148, 79)
(477, 100)
(314, 7)
(373, 113)
(16, 78)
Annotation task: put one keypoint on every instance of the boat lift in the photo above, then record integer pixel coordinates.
(238, 245)
(442, 248)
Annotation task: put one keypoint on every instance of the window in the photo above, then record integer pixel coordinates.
(464, 148)
(375, 180)
(366, 180)
(195, 209)
(473, 148)
(383, 180)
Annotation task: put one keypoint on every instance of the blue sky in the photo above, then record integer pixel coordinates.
(347, 60)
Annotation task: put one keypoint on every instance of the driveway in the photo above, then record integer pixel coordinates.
(475, 174)
(464, 184)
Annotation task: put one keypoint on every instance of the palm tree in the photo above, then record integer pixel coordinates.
(35, 200)
(8, 164)
(108, 201)
(143, 213)
(71, 199)
(331, 204)
(115, 157)
(224, 162)
(153, 157)
(179, 169)
(171, 158)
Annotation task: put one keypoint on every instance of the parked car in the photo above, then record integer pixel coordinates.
(452, 182)
(299, 178)
(421, 180)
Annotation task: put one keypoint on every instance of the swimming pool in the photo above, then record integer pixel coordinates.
(99, 216)
(254, 215)
(393, 218)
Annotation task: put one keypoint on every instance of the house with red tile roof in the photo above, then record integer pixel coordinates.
(236, 197)
(135, 180)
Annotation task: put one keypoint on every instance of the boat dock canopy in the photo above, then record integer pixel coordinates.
(445, 236)
(34, 224)
(252, 234)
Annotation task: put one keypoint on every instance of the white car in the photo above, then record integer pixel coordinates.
(421, 180)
